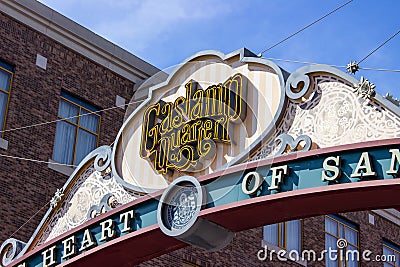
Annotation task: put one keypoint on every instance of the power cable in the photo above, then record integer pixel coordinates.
(29, 219)
(376, 49)
(48, 122)
(301, 62)
(332, 65)
(304, 28)
(38, 161)
(63, 119)
(354, 66)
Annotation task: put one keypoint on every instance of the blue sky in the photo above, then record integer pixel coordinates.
(164, 33)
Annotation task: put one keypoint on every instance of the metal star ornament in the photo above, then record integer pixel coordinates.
(56, 198)
(352, 67)
(364, 88)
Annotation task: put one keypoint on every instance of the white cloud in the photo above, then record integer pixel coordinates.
(137, 23)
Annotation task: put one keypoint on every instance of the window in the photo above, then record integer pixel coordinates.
(77, 131)
(286, 235)
(337, 228)
(391, 254)
(6, 74)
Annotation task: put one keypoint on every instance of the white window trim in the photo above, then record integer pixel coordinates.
(60, 168)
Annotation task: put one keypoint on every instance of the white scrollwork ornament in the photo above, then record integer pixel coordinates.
(10, 251)
(337, 117)
(88, 191)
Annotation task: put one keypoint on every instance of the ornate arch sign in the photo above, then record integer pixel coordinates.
(220, 144)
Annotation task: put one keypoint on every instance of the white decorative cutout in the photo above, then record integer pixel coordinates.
(335, 116)
(343, 118)
(88, 191)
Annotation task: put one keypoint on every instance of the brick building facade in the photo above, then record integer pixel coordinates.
(51, 56)
(96, 77)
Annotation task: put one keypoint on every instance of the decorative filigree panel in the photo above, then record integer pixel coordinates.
(87, 192)
(334, 115)
(342, 117)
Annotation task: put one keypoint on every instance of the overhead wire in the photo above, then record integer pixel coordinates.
(30, 218)
(332, 65)
(301, 62)
(354, 66)
(304, 28)
(381, 45)
(37, 161)
(72, 117)
(316, 21)
(49, 122)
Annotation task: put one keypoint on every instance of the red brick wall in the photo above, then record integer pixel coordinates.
(242, 251)
(26, 186)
